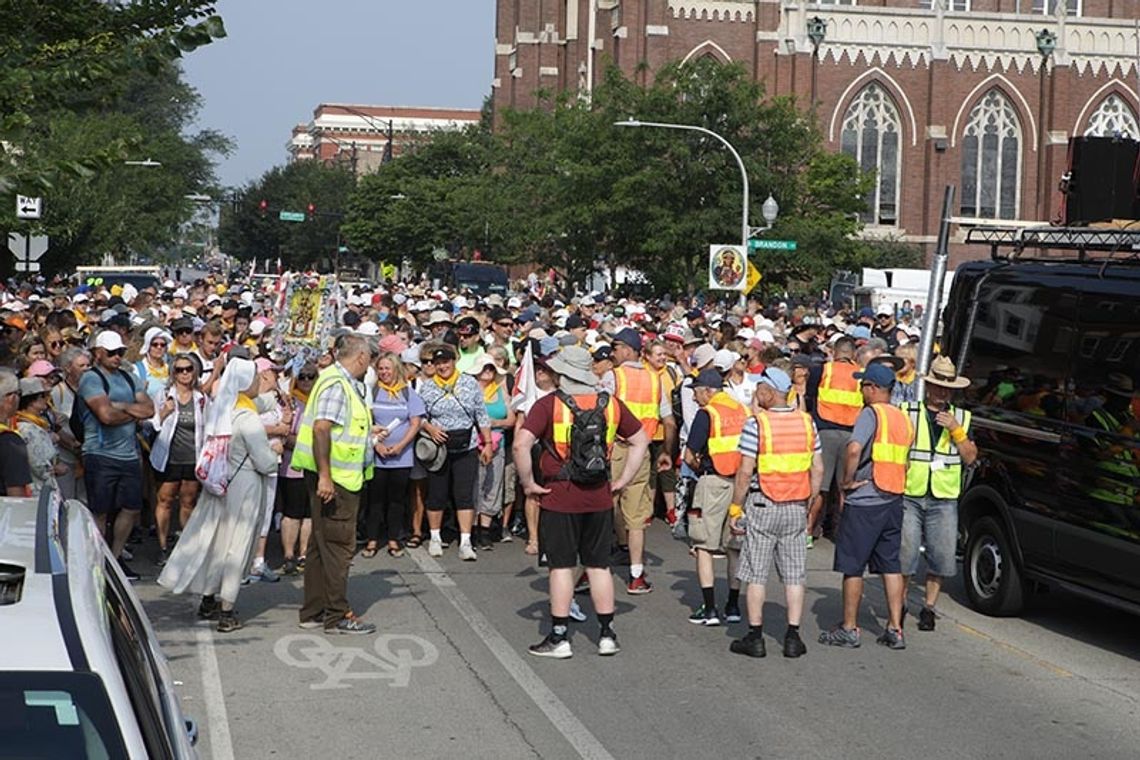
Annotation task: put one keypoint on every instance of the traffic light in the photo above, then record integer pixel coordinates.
(312, 211)
(262, 206)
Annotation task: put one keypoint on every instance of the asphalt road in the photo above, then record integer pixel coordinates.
(449, 674)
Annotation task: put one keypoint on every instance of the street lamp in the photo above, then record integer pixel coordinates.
(1046, 44)
(745, 231)
(770, 210)
(372, 122)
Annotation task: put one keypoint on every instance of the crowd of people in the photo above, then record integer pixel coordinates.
(439, 418)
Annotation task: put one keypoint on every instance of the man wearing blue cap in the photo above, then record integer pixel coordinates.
(781, 447)
(870, 533)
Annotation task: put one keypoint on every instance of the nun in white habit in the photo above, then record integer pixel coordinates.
(217, 543)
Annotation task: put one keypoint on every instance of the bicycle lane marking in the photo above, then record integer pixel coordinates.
(556, 711)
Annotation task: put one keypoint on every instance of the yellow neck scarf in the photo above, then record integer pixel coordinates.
(245, 402)
(33, 418)
(394, 389)
(449, 382)
(491, 392)
(300, 396)
(162, 371)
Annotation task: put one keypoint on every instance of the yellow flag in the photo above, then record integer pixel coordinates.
(754, 277)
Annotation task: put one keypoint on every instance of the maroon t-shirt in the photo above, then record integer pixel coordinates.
(565, 496)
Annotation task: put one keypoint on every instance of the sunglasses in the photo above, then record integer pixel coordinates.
(183, 370)
(307, 376)
(55, 344)
(117, 352)
(183, 331)
(159, 343)
(505, 324)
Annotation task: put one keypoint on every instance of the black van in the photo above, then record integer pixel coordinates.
(1053, 350)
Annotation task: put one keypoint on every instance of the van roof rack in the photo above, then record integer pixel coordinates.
(1045, 243)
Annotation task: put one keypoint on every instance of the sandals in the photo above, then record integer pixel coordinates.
(531, 549)
(395, 551)
(414, 542)
(369, 552)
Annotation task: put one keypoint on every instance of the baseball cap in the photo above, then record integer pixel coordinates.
(884, 310)
(109, 340)
(575, 321)
(724, 359)
(468, 326)
(603, 352)
(703, 355)
(41, 368)
(877, 374)
(861, 332)
(262, 364)
(708, 378)
(629, 337)
(866, 311)
(776, 379)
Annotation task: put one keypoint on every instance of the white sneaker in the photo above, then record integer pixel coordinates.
(608, 645)
(435, 548)
(576, 613)
(467, 553)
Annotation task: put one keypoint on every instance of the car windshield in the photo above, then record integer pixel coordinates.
(49, 714)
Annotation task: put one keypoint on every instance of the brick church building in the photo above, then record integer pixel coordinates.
(982, 94)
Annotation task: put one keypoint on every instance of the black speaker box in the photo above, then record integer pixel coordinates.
(1102, 181)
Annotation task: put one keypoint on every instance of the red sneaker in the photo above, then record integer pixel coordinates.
(671, 518)
(639, 585)
(582, 585)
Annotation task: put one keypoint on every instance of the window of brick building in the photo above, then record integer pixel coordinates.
(1049, 7)
(991, 159)
(1113, 118)
(954, 6)
(870, 135)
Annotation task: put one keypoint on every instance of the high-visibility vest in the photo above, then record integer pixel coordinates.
(349, 463)
(839, 399)
(944, 480)
(669, 377)
(640, 390)
(787, 445)
(726, 422)
(890, 448)
(564, 420)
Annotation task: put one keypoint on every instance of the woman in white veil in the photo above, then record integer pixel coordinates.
(217, 544)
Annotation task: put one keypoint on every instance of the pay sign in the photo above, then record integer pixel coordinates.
(28, 207)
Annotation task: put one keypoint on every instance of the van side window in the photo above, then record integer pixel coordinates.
(1020, 352)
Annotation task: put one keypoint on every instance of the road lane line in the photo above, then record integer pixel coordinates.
(217, 719)
(1055, 669)
(574, 731)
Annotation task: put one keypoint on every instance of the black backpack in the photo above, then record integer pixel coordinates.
(589, 462)
(80, 408)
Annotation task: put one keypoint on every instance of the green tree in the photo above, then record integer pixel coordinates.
(77, 57)
(247, 233)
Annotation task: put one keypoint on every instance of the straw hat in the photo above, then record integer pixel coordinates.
(943, 372)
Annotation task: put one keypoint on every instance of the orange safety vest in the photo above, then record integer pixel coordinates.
(889, 449)
(668, 383)
(640, 390)
(726, 421)
(564, 419)
(839, 399)
(784, 462)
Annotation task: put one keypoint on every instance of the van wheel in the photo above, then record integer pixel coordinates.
(993, 580)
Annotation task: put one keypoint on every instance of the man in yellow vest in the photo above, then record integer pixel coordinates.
(941, 448)
(332, 450)
(874, 479)
(780, 447)
(640, 390)
(656, 359)
(834, 400)
(713, 452)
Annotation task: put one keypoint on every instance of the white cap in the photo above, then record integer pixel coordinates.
(109, 340)
(181, 293)
(399, 299)
(765, 335)
(703, 355)
(460, 302)
(368, 327)
(588, 301)
(746, 333)
(724, 359)
(80, 298)
(514, 302)
(257, 327)
(247, 297)
(885, 310)
(168, 284)
(213, 298)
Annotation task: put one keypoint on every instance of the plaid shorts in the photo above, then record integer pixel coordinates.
(774, 530)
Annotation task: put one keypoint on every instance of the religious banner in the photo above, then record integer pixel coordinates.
(728, 267)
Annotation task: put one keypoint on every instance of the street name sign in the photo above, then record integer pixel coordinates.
(291, 216)
(771, 245)
(28, 207)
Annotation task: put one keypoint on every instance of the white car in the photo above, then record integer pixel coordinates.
(81, 672)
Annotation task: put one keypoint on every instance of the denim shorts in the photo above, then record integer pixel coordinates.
(869, 538)
(932, 523)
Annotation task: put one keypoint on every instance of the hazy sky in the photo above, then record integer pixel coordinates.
(284, 57)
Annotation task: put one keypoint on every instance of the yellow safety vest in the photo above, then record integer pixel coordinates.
(944, 480)
(349, 463)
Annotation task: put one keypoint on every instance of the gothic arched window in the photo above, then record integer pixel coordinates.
(1113, 118)
(870, 135)
(991, 159)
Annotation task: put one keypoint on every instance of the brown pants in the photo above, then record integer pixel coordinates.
(329, 554)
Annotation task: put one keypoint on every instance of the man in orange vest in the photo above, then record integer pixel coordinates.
(781, 447)
(870, 533)
(577, 516)
(640, 390)
(712, 451)
(834, 400)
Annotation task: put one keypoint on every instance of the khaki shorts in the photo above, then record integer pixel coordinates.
(712, 496)
(634, 504)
